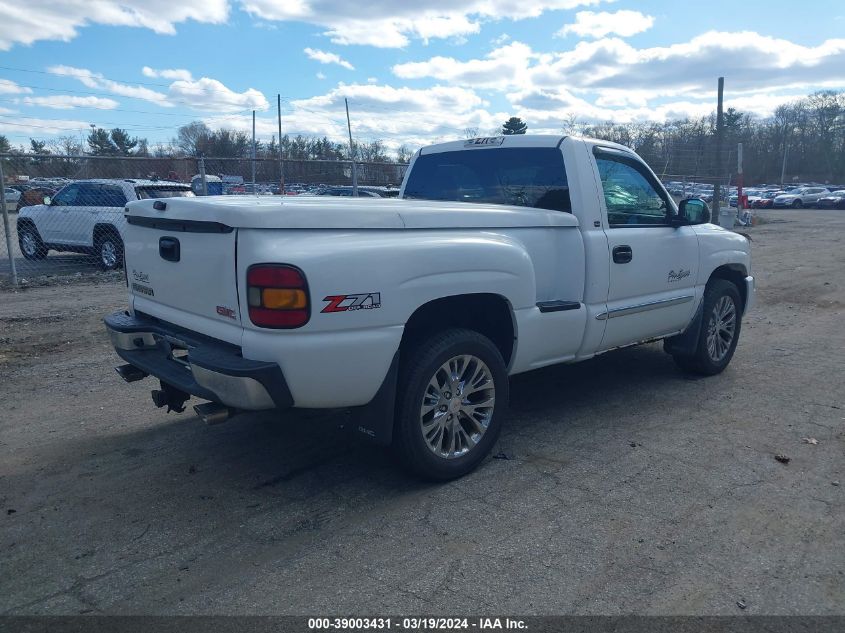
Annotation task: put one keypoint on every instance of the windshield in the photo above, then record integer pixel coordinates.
(522, 176)
(163, 192)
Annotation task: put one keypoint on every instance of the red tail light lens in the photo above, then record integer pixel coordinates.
(277, 296)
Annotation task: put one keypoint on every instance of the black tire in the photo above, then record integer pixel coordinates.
(421, 365)
(797, 204)
(30, 242)
(108, 248)
(702, 361)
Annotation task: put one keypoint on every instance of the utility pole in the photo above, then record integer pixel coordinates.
(253, 152)
(717, 198)
(351, 152)
(5, 212)
(203, 179)
(783, 168)
(281, 160)
(739, 180)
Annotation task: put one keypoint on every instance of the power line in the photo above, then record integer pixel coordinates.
(90, 107)
(95, 77)
(113, 93)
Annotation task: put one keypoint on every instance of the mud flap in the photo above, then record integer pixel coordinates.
(374, 420)
(685, 343)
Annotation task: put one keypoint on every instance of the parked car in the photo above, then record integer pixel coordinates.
(12, 196)
(801, 197)
(752, 195)
(33, 195)
(836, 200)
(346, 192)
(766, 199)
(497, 259)
(86, 216)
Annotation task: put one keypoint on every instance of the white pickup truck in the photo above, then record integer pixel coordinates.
(501, 255)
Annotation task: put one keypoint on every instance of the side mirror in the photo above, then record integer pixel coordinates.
(692, 211)
(47, 200)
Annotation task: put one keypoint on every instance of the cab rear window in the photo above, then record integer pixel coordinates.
(163, 192)
(521, 176)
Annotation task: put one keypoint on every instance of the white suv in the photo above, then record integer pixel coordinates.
(803, 197)
(86, 216)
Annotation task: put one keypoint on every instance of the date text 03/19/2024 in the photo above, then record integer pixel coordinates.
(415, 624)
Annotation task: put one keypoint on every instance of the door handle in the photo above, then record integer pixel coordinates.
(168, 249)
(622, 254)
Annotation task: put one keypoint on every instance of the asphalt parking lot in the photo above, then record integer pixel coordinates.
(619, 485)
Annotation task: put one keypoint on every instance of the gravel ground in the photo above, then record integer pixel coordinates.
(619, 485)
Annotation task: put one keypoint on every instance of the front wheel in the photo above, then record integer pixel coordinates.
(30, 243)
(797, 204)
(719, 330)
(453, 389)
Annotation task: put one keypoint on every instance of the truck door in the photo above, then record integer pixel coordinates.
(653, 266)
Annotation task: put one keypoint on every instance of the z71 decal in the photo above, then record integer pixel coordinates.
(345, 303)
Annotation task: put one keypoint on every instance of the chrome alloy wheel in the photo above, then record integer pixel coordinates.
(721, 329)
(28, 244)
(457, 406)
(108, 254)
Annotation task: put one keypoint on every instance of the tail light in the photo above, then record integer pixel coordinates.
(277, 296)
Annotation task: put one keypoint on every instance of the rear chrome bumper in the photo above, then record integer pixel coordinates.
(750, 290)
(196, 364)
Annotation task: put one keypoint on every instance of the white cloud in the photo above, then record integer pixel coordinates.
(749, 61)
(205, 93)
(97, 81)
(395, 115)
(547, 109)
(320, 76)
(40, 127)
(392, 24)
(168, 73)
(25, 23)
(610, 79)
(9, 87)
(504, 67)
(623, 23)
(328, 58)
(210, 94)
(68, 102)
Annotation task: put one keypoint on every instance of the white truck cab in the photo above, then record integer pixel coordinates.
(501, 255)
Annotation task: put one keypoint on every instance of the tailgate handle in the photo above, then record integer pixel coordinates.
(168, 248)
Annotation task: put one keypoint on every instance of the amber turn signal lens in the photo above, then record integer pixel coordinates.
(283, 299)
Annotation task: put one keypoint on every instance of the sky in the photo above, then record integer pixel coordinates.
(414, 72)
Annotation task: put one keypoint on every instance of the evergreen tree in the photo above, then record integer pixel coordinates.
(514, 125)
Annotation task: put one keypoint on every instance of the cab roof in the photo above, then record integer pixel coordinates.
(516, 140)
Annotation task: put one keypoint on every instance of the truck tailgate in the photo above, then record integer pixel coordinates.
(183, 270)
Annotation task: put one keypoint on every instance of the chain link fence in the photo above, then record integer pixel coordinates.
(63, 215)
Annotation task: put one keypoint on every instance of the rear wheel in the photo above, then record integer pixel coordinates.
(453, 389)
(109, 250)
(719, 330)
(30, 242)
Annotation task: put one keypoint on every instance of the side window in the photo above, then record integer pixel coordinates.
(88, 195)
(66, 197)
(629, 195)
(111, 196)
